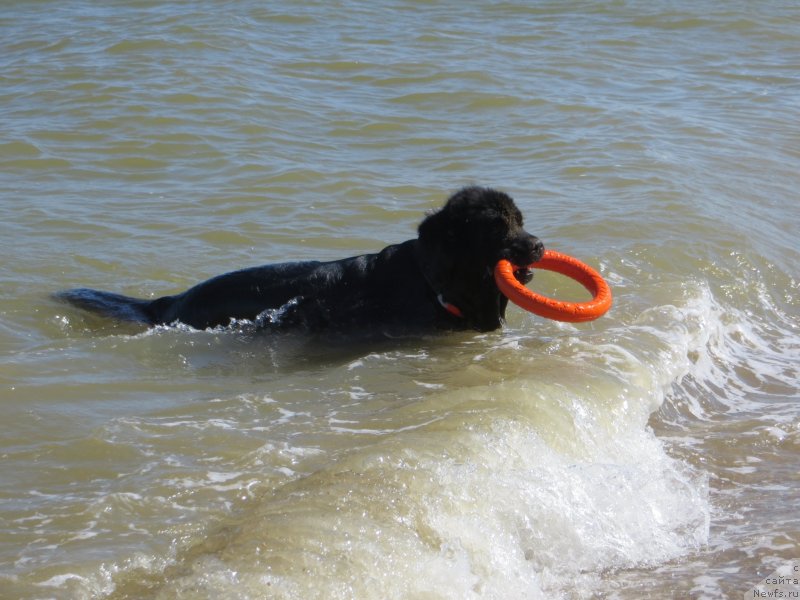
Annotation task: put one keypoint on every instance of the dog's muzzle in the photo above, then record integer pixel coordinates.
(524, 250)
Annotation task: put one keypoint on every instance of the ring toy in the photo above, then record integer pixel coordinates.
(550, 308)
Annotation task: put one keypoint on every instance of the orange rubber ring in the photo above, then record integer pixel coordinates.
(550, 308)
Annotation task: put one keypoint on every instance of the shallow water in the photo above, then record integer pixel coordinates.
(651, 454)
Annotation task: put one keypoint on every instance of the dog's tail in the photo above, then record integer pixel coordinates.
(116, 306)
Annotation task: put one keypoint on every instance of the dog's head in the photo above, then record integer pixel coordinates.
(460, 245)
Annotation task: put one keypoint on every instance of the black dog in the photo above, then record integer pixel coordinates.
(441, 280)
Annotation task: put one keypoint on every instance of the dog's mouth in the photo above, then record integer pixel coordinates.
(523, 251)
(523, 275)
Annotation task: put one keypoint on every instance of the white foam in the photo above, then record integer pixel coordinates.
(60, 580)
(216, 477)
(532, 485)
(539, 491)
(504, 514)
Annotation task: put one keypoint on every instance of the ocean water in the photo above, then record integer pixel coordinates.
(146, 146)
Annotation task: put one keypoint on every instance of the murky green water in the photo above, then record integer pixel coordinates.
(147, 146)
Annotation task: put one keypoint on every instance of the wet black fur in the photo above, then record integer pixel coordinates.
(393, 292)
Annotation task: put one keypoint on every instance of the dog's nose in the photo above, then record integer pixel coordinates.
(525, 249)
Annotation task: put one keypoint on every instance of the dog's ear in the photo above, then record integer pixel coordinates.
(436, 241)
(436, 229)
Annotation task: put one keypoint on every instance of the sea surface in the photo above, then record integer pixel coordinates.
(146, 146)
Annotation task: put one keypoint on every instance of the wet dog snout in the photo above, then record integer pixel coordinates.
(525, 249)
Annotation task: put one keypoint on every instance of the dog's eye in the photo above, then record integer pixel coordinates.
(498, 227)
